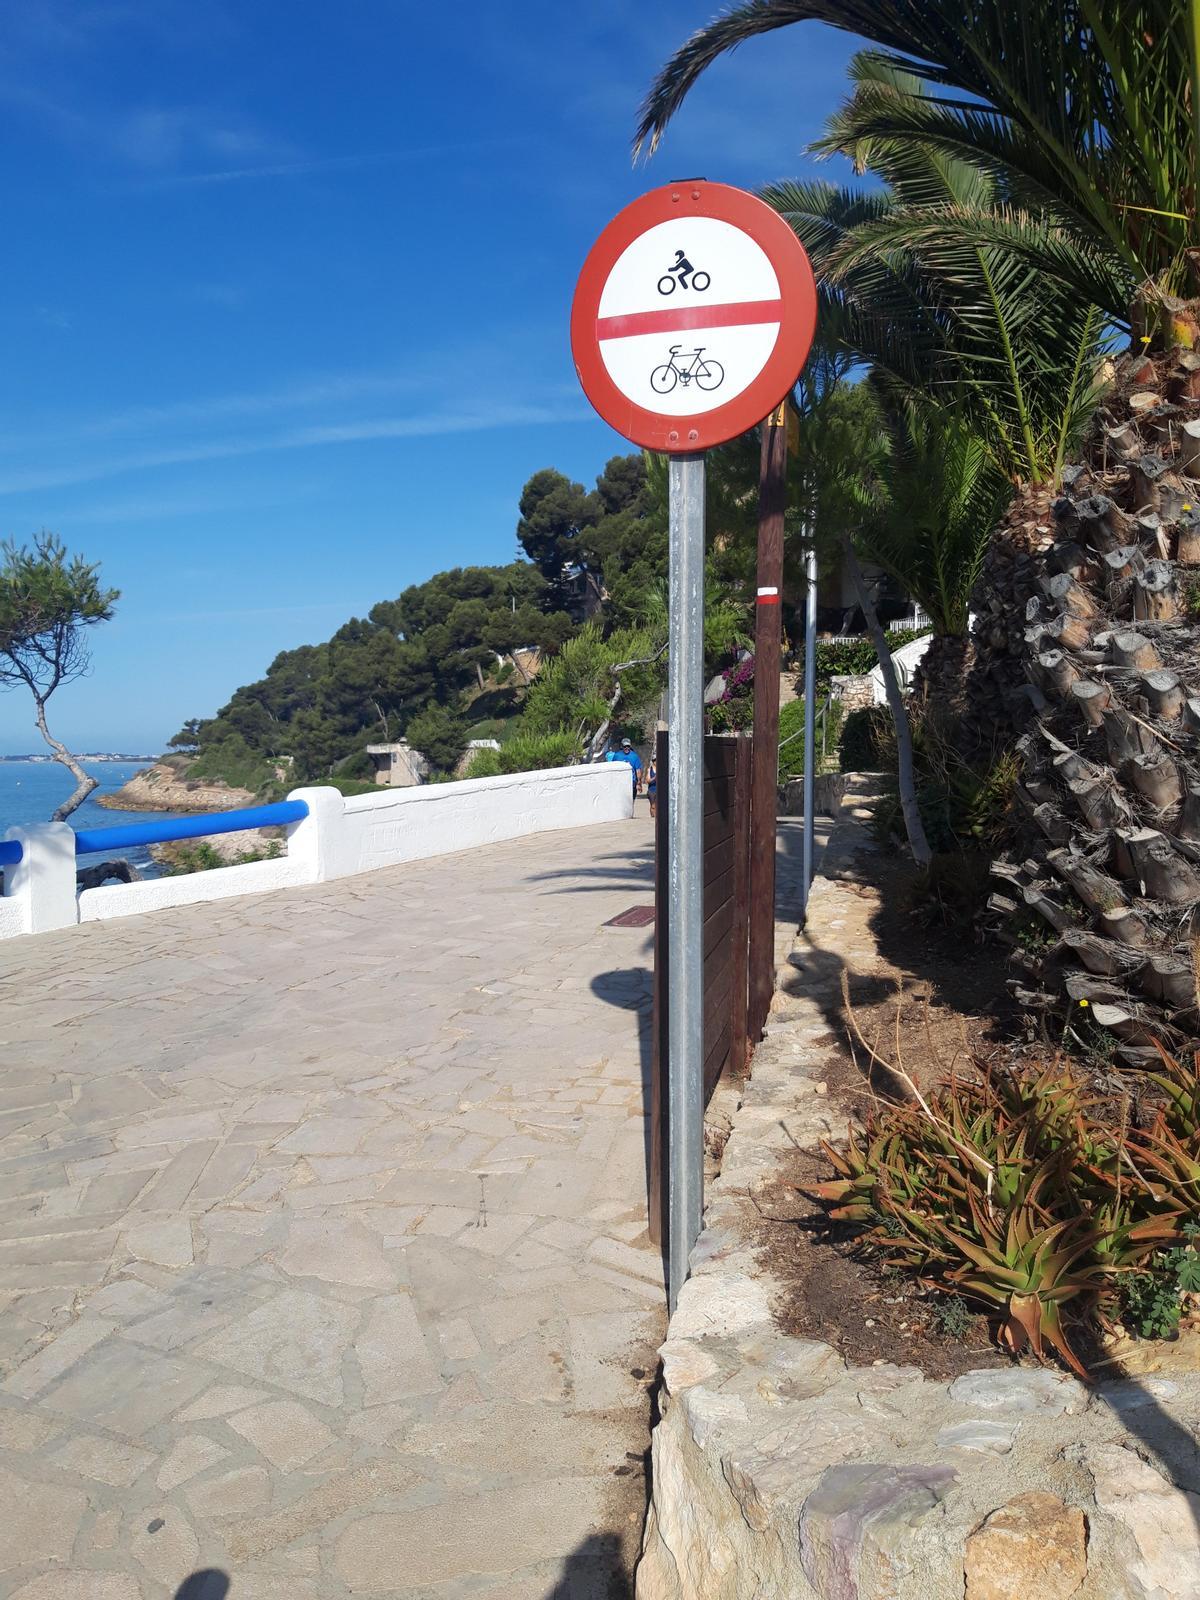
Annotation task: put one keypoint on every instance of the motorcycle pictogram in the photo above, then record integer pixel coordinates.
(685, 274)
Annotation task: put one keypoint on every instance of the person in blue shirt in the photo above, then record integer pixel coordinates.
(628, 753)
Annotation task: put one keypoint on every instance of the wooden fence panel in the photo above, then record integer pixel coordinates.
(726, 864)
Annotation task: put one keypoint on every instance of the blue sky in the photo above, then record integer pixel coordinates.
(285, 297)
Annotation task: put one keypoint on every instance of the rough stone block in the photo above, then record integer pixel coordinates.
(1018, 1389)
(1034, 1545)
(720, 1304)
(1161, 1520)
(990, 1438)
(864, 1510)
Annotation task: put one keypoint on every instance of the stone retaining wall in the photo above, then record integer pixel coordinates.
(782, 1473)
(855, 691)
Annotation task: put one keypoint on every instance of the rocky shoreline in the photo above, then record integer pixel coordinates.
(179, 854)
(164, 787)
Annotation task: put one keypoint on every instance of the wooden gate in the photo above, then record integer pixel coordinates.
(726, 939)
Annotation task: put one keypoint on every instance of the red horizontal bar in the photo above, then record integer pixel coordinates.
(677, 319)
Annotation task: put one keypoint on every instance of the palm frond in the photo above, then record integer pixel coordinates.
(1080, 105)
(942, 498)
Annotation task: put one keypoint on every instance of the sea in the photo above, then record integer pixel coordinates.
(30, 790)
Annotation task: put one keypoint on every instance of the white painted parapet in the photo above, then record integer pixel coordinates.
(338, 837)
(907, 659)
(40, 888)
(188, 888)
(313, 843)
(380, 830)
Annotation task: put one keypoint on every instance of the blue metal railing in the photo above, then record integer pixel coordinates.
(89, 840)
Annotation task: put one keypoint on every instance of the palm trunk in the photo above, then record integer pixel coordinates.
(917, 842)
(84, 783)
(940, 680)
(998, 691)
(1108, 859)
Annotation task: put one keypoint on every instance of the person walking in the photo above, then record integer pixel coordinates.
(629, 754)
(652, 786)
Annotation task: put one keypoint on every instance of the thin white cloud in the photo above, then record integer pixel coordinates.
(316, 165)
(296, 396)
(165, 508)
(429, 425)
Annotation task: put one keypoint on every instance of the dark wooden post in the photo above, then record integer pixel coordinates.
(739, 1042)
(772, 497)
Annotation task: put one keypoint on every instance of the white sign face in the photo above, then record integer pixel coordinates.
(689, 316)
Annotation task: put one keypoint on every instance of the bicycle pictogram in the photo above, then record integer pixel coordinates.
(685, 367)
(686, 275)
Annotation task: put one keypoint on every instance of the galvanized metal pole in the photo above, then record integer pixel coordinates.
(685, 866)
(810, 712)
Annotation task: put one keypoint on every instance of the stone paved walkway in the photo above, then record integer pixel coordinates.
(322, 1238)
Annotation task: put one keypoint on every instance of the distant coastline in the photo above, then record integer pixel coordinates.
(39, 758)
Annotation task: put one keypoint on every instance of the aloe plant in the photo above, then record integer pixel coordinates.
(1025, 1192)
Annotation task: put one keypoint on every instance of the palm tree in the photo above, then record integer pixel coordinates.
(940, 495)
(961, 321)
(1088, 111)
(892, 480)
(1087, 117)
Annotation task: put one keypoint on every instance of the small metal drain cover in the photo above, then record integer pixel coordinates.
(635, 917)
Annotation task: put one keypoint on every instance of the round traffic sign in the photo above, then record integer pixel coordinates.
(693, 316)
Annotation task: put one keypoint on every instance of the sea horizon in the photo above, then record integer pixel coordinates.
(31, 789)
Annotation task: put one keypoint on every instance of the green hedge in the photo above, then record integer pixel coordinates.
(527, 752)
(838, 658)
(791, 738)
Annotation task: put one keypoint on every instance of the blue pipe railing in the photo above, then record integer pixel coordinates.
(90, 840)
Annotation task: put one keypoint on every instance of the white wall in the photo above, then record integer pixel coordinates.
(154, 894)
(436, 819)
(907, 659)
(338, 838)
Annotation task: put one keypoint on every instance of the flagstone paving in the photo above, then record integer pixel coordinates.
(323, 1254)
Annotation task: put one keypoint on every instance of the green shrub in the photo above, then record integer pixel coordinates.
(953, 1318)
(440, 734)
(358, 765)
(861, 747)
(964, 804)
(791, 738)
(527, 752)
(349, 786)
(855, 657)
(204, 857)
(1028, 1195)
(233, 762)
(733, 715)
(498, 728)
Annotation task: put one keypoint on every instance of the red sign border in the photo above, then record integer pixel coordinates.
(798, 323)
